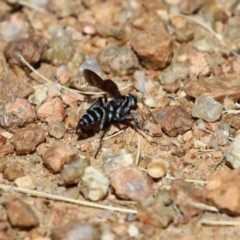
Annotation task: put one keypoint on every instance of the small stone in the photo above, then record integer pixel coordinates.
(57, 156)
(154, 52)
(19, 87)
(76, 231)
(181, 70)
(94, 185)
(207, 108)
(174, 120)
(157, 169)
(6, 232)
(131, 183)
(216, 87)
(72, 192)
(141, 82)
(203, 45)
(26, 139)
(133, 231)
(184, 35)
(223, 191)
(189, 7)
(233, 120)
(233, 153)
(40, 94)
(16, 113)
(56, 129)
(63, 74)
(52, 110)
(30, 48)
(113, 162)
(13, 171)
(25, 182)
(91, 64)
(199, 64)
(6, 149)
(3, 139)
(19, 213)
(118, 60)
(59, 49)
(73, 172)
(15, 28)
(168, 77)
(182, 194)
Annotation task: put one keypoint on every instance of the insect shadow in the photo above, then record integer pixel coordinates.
(106, 112)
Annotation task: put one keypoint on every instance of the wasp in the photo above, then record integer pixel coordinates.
(115, 110)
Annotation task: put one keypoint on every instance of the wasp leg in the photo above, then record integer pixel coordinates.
(101, 132)
(136, 120)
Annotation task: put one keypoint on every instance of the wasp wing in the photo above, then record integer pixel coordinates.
(105, 85)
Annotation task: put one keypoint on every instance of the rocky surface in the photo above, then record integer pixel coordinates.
(177, 178)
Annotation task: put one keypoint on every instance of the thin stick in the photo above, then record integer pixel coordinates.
(203, 206)
(188, 180)
(112, 136)
(64, 199)
(138, 151)
(220, 223)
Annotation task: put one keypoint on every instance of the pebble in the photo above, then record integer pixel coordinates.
(199, 65)
(30, 48)
(233, 153)
(72, 192)
(157, 169)
(141, 82)
(113, 162)
(71, 174)
(203, 45)
(40, 94)
(216, 87)
(6, 231)
(223, 191)
(168, 77)
(189, 7)
(118, 61)
(20, 213)
(6, 149)
(56, 129)
(18, 87)
(25, 182)
(181, 70)
(13, 171)
(233, 120)
(63, 74)
(207, 108)
(14, 29)
(184, 35)
(154, 52)
(174, 120)
(52, 110)
(131, 183)
(91, 64)
(133, 231)
(59, 50)
(183, 194)
(16, 113)
(76, 230)
(55, 157)
(25, 140)
(93, 185)
(3, 139)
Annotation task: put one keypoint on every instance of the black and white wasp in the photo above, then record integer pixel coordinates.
(116, 110)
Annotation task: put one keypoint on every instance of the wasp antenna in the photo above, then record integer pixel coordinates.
(146, 106)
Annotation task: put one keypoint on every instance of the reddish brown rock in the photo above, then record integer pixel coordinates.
(153, 45)
(223, 191)
(131, 183)
(16, 113)
(19, 213)
(30, 48)
(76, 231)
(6, 149)
(174, 120)
(3, 139)
(118, 60)
(233, 120)
(183, 194)
(6, 232)
(26, 139)
(216, 87)
(57, 156)
(189, 6)
(13, 171)
(12, 87)
(56, 129)
(52, 110)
